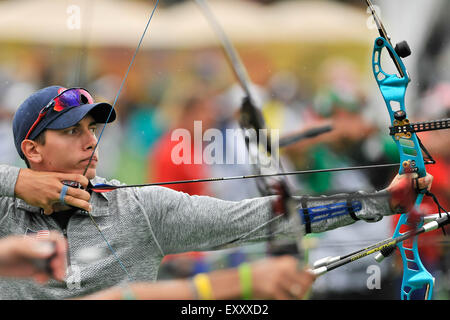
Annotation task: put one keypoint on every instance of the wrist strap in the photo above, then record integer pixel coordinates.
(245, 277)
(306, 217)
(351, 210)
(203, 286)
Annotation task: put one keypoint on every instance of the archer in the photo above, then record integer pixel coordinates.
(54, 132)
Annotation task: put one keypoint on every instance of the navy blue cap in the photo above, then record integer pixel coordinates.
(29, 110)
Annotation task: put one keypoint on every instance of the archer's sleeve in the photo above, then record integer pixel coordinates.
(319, 215)
(181, 222)
(8, 178)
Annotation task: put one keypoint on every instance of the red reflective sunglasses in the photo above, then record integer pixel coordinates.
(73, 97)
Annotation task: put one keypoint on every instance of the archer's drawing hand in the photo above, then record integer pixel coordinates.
(43, 190)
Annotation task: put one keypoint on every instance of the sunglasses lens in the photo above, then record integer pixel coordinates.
(85, 97)
(71, 98)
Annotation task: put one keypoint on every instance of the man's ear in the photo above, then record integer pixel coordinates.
(31, 151)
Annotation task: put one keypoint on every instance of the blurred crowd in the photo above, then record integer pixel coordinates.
(169, 93)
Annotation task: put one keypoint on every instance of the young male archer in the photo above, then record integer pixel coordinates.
(54, 132)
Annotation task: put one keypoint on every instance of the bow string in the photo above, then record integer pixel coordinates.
(122, 266)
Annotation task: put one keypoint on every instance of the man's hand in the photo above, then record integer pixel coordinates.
(404, 188)
(43, 189)
(280, 278)
(18, 256)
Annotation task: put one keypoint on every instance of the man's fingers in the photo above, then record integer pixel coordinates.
(74, 177)
(75, 197)
(281, 293)
(75, 202)
(78, 194)
(425, 182)
(58, 263)
(48, 210)
(21, 256)
(29, 247)
(55, 248)
(305, 279)
(44, 189)
(41, 278)
(298, 284)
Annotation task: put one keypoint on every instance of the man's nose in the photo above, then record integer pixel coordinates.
(91, 140)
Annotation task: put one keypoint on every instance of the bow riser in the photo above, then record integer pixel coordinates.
(393, 90)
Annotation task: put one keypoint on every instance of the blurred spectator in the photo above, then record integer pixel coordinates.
(282, 111)
(163, 167)
(12, 93)
(228, 107)
(230, 103)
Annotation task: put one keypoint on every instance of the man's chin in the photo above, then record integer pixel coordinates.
(91, 173)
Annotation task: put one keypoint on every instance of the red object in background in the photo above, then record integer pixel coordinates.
(430, 250)
(163, 169)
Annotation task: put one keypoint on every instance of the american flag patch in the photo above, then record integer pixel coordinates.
(42, 234)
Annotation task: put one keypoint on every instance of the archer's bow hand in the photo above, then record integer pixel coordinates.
(403, 190)
(44, 190)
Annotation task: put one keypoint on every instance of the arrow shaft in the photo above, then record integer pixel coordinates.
(250, 176)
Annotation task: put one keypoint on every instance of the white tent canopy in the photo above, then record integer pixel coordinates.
(121, 22)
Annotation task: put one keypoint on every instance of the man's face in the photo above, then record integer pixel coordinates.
(68, 150)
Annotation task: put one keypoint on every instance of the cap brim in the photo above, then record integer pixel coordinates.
(102, 112)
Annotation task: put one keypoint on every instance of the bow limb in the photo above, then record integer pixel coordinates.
(257, 139)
